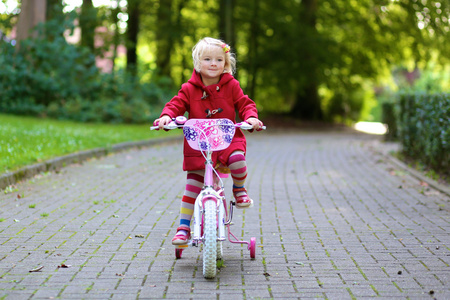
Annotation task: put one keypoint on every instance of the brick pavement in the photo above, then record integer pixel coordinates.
(333, 219)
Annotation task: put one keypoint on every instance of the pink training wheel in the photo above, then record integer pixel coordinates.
(252, 247)
(178, 253)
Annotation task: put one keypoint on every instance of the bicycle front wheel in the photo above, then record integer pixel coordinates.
(210, 240)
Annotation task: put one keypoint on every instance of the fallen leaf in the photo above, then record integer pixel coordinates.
(266, 274)
(423, 183)
(64, 266)
(18, 196)
(38, 269)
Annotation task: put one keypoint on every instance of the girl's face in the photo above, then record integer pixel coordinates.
(212, 64)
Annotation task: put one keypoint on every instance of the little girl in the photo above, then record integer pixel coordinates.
(212, 92)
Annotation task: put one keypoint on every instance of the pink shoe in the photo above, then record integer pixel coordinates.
(182, 236)
(242, 198)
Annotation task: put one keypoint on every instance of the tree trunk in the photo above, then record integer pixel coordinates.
(88, 23)
(307, 104)
(116, 37)
(132, 35)
(252, 49)
(164, 37)
(32, 12)
(226, 22)
(226, 29)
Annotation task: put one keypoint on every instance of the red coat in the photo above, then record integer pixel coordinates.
(228, 96)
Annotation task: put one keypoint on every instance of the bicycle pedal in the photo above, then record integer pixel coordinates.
(181, 246)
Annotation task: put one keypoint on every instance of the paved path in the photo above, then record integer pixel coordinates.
(333, 219)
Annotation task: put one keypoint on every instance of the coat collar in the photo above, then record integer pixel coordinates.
(196, 80)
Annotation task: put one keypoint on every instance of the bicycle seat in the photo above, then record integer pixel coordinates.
(209, 134)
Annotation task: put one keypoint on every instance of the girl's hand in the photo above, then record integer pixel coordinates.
(161, 122)
(256, 123)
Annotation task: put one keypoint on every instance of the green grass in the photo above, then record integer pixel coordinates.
(26, 140)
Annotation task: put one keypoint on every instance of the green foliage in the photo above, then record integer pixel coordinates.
(350, 44)
(27, 140)
(424, 128)
(44, 70)
(47, 76)
(286, 51)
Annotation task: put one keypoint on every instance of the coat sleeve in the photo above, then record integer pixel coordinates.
(179, 104)
(245, 106)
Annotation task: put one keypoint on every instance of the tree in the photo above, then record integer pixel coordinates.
(307, 104)
(165, 36)
(132, 35)
(88, 24)
(116, 35)
(32, 13)
(226, 21)
(315, 59)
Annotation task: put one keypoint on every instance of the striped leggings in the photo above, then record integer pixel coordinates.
(194, 184)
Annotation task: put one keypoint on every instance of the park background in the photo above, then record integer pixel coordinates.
(119, 62)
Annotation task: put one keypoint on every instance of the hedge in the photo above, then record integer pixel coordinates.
(423, 122)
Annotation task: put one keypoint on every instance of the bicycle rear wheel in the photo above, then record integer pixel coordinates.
(210, 240)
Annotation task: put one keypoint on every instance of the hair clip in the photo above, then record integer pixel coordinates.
(226, 48)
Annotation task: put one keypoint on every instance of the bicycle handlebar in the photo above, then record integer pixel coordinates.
(174, 125)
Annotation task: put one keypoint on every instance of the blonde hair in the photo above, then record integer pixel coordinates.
(207, 42)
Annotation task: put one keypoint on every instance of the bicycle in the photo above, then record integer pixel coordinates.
(211, 218)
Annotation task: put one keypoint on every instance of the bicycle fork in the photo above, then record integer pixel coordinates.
(209, 194)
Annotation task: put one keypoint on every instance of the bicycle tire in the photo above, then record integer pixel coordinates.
(210, 240)
(219, 255)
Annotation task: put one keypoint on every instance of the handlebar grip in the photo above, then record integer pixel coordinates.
(170, 126)
(247, 126)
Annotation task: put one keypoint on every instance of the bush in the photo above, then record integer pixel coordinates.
(45, 69)
(49, 77)
(424, 128)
